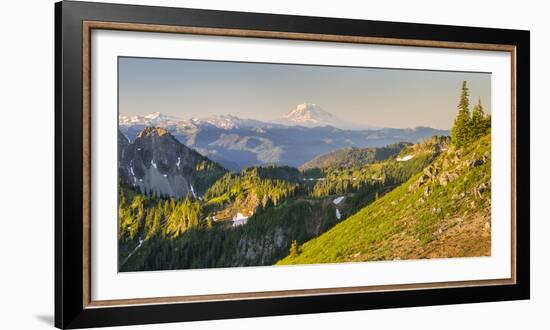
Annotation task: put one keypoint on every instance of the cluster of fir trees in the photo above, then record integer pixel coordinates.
(269, 191)
(264, 239)
(469, 125)
(353, 157)
(146, 216)
(369, 178)
(341, 181)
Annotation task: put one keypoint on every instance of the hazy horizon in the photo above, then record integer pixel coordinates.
(398, 98)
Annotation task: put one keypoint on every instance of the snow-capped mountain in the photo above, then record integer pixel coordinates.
(152, 119)
(228, 122)
(158, 119)
(310, 115)
(233, 142)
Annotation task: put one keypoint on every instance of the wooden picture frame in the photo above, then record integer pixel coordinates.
(74, 306)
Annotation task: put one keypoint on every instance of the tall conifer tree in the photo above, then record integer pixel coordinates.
(479, 122)
(460, 133)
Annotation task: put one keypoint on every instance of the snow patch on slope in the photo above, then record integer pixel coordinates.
(239, 219)
(404, 159)
(338, 200)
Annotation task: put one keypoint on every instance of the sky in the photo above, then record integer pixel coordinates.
(265, 91)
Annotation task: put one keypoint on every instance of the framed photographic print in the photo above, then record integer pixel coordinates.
(215, 164)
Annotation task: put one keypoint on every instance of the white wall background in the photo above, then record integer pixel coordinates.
(27, 168)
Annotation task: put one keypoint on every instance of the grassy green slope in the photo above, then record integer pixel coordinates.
(442, 212)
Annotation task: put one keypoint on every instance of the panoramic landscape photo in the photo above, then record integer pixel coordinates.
(233, 164)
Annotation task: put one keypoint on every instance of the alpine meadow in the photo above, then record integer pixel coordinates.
(233, 164)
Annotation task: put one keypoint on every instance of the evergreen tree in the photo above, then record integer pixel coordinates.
(294, 248)
(479, 122)
(461, 131)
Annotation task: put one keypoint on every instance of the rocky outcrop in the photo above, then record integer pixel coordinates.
(449, 168)
(157, 163)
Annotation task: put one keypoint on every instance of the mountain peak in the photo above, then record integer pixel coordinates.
(154, 115)
(152, 119)
(228, 121)
(310, 114)
(152, 131)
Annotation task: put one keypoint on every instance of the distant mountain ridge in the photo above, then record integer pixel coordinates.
(351, 157)
(236, 143)
(160, 120)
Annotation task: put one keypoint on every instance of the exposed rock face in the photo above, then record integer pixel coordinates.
(157, 163)
(122, 145)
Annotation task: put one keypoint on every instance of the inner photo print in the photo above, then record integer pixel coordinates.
(233, 164)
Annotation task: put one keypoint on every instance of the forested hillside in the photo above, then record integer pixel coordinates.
(353, 157)
(254, 217)
(337, 180)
